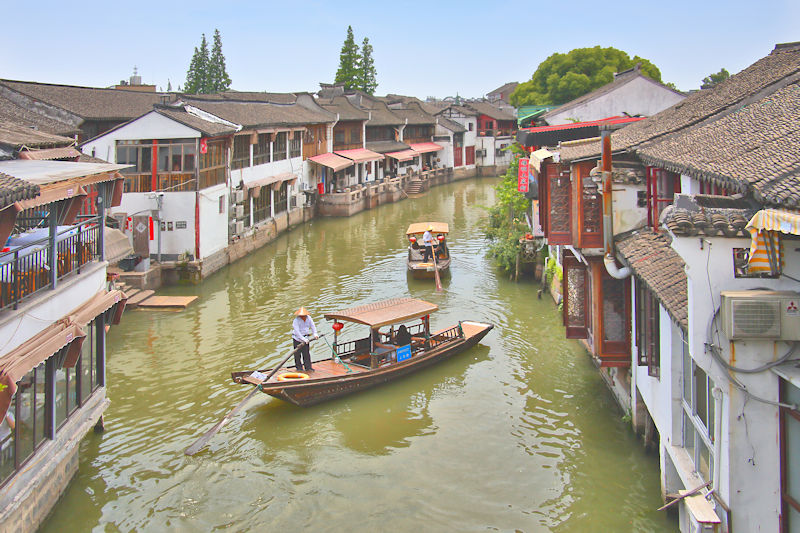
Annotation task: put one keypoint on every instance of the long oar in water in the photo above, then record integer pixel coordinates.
(436, 277)
(200, 443)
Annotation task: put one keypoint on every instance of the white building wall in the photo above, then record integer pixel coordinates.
(213, 223)
(149, 126)
(749, 461)
(639, 96)
(626, 215)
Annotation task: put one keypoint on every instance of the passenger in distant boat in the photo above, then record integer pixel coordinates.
(302, 327)
(427, 242)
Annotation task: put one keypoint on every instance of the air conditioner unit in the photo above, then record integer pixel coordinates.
(237, 196)
(773, 315)
(480, 153)
(238, 211)
(237, 227)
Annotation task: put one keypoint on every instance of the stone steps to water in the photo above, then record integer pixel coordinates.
(415, 187)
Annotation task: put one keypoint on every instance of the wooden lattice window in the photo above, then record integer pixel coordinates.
(662, 186)
(575, 287)
(591, 207)
(614, 316)
(559, 212)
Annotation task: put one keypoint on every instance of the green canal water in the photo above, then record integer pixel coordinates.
(517, 434)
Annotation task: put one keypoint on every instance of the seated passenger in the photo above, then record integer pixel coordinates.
(403, 337)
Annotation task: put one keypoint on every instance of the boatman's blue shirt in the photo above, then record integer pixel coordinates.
(301, 328)
(427, 239)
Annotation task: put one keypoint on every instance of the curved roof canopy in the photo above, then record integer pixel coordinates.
(385, 312)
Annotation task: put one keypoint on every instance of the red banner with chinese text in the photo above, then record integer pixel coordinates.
(522, 175)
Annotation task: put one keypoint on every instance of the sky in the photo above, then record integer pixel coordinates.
(421, 48)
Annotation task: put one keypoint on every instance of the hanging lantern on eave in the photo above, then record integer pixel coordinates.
(337, 326)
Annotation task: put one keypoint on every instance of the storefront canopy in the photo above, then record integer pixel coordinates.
(332, 161)
(424, 148)
(360, 155)
(404, 155)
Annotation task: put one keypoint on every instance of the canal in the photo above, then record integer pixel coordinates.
(517, 434)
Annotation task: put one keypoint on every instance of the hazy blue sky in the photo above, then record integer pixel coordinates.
(430, 48)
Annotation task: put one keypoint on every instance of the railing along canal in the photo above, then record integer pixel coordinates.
(26, 268)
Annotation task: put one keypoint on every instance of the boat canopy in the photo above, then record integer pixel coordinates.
(422, 227)
(385, 312)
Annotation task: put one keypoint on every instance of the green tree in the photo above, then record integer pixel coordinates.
(713, 79)
(564, 77)
(349, 60)
(506, 223)
(217, 79)
(196, 77)
(367, 75)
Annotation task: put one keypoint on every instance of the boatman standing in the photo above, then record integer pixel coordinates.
(302, 327)
(427, 242)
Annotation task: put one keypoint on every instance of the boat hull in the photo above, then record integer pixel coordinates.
(308, 392)
(419, 270)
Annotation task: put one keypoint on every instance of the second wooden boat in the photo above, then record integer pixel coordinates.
(417, 264)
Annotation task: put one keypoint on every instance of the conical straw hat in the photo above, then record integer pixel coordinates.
(301, 312)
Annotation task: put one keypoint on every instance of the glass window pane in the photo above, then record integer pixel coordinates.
(703, 465)
(25, 421)
(61, 396)
(792, 456)
(38, 431)
(710, 396)
(793, 520)
(7, 442)
(163, 158)
(700, 388)
(688, 435)
(687, 375)
(72, 389)
(145, 159)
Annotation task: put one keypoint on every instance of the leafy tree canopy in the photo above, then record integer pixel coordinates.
(198, 68)
(349, 62)
(218, 79)
(713, 79)
(564, 77)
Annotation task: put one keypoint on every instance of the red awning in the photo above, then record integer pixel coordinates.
(332, 161)
(424, 148)
(360, 155)
(403, 155)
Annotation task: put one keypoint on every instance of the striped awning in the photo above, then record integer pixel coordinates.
(766, 248)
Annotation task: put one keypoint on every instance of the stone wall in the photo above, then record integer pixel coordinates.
(27, 498)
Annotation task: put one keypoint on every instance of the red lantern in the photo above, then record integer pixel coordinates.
(412, 239)
(337, 326)
(440, 237)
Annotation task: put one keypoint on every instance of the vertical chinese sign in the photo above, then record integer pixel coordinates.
(522, 175)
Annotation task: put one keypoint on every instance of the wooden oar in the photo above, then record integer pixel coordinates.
(200, 443)
(436, 273)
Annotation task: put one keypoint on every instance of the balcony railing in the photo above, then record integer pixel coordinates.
(26, 265)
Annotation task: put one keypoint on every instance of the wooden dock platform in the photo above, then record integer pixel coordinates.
(167, 302)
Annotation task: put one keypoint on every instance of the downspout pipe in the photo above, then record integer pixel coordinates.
(608, 231)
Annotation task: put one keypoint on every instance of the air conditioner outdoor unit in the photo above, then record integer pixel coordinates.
(237, 227)
(773, 315)
(238, 211)
(480, 153)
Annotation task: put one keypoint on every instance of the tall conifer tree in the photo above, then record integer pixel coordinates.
(197, 75)
(349, 60)
(367, 79)
(218, 79)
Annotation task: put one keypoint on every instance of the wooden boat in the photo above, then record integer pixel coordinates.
(382, 356)
(424, 269)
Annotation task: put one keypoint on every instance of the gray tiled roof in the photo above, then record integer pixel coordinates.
(451, 125)
(380, 114)
(206, 127)
(13, 112)
(491, 110)
(89, 102)
(253, 114)
(385, 147)
(710, 215)
(343, 107)
(755, 147)
(15, 190)
(247, 96)
(17, 135)
(413, 112)
(508, 87)
(661, 269)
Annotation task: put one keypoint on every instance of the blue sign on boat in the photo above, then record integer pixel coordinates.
(404, 352)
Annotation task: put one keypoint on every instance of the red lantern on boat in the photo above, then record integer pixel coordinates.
(440, 237)
(412, 239)
(337, 326)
